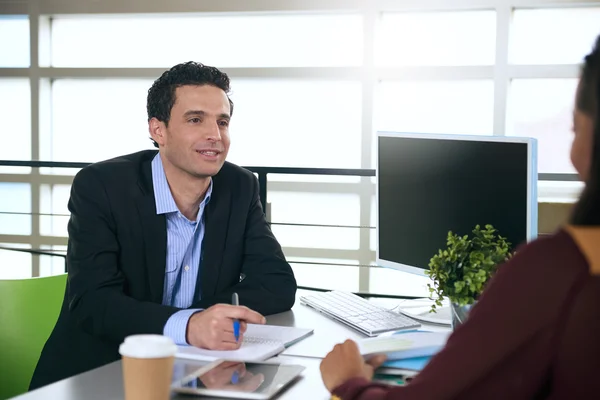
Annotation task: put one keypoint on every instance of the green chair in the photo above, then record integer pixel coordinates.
(29, 309)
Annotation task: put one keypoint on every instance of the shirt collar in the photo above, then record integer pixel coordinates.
(162, 193)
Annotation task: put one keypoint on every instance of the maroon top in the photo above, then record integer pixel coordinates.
(534, 333)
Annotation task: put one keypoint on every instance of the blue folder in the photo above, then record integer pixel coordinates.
(415, 364)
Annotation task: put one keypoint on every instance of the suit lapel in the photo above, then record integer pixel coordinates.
(154, 232)
(215, 235)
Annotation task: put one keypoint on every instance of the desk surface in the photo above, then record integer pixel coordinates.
(106, 382)
(328, 332)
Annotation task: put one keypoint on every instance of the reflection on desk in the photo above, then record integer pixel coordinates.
(106, 383)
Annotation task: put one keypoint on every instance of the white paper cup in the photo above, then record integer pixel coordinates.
(147, 366)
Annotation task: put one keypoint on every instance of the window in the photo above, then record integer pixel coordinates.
(456, 107)
(15, 113)
(553, 36)
(313, 178)
(289, 123)
(318, 275)
(437, 38)
(15, 208)
(54, 200)
(559, 191)
(99, 118)
(15, 264)
(391, 281)
(543, 109)
(52, 265)
(223, 41)
(14, 41)
(315, 208)
(297, 82)
(264, 125)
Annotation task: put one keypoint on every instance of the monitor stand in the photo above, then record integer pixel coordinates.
(419, 310)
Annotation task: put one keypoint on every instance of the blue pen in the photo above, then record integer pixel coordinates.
(235, 300)
(235, 378)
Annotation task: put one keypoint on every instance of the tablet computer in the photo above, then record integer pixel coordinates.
(238, 380)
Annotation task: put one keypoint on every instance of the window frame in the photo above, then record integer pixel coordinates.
(40, 15)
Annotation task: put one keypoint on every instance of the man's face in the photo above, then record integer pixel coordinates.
(196, 139)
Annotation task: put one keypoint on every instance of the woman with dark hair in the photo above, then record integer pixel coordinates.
(535, 331)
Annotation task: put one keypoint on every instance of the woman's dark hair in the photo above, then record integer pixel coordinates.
(161, 96)
(587, 209)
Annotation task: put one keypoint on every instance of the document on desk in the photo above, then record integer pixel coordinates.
(260, 343)
(408, 344)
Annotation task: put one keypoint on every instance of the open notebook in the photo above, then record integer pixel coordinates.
(260, 343)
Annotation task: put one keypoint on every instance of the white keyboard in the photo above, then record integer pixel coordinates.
(358, 313)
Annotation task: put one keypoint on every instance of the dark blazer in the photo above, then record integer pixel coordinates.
(117, 253)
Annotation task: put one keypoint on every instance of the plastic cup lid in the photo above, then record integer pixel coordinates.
(148, 346)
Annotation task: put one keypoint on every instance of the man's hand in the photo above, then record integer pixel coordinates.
(345, 362)
(213, 328)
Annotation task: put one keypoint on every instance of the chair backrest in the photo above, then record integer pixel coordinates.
(29, 309)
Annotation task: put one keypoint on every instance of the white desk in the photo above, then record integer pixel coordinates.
(106, 383)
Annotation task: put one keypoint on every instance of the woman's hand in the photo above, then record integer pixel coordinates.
(345, 362)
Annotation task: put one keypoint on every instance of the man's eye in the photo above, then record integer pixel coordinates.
(195, 120)
(224, 123)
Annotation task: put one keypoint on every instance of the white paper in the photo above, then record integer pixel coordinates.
(261, 342)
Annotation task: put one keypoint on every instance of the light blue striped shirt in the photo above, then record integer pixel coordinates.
(184, 251)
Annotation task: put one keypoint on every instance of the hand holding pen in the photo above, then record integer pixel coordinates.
(215, 327)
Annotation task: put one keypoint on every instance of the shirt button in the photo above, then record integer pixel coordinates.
(187, 267)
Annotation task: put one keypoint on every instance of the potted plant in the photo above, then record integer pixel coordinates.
(461, 271)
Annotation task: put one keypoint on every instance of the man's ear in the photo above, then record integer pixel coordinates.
(157, 130)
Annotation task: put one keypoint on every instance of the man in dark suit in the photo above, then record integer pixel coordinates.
(160, 240)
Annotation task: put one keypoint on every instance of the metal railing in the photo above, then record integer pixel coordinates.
(316, 289)
(262, 174)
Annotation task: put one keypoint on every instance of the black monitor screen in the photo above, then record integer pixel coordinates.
(427, 187)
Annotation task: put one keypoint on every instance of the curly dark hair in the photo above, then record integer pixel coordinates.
(161, 96)
(587, 209)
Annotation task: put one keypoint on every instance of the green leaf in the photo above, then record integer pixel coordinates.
(461, 270)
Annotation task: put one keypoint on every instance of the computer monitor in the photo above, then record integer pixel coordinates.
(429, 184)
